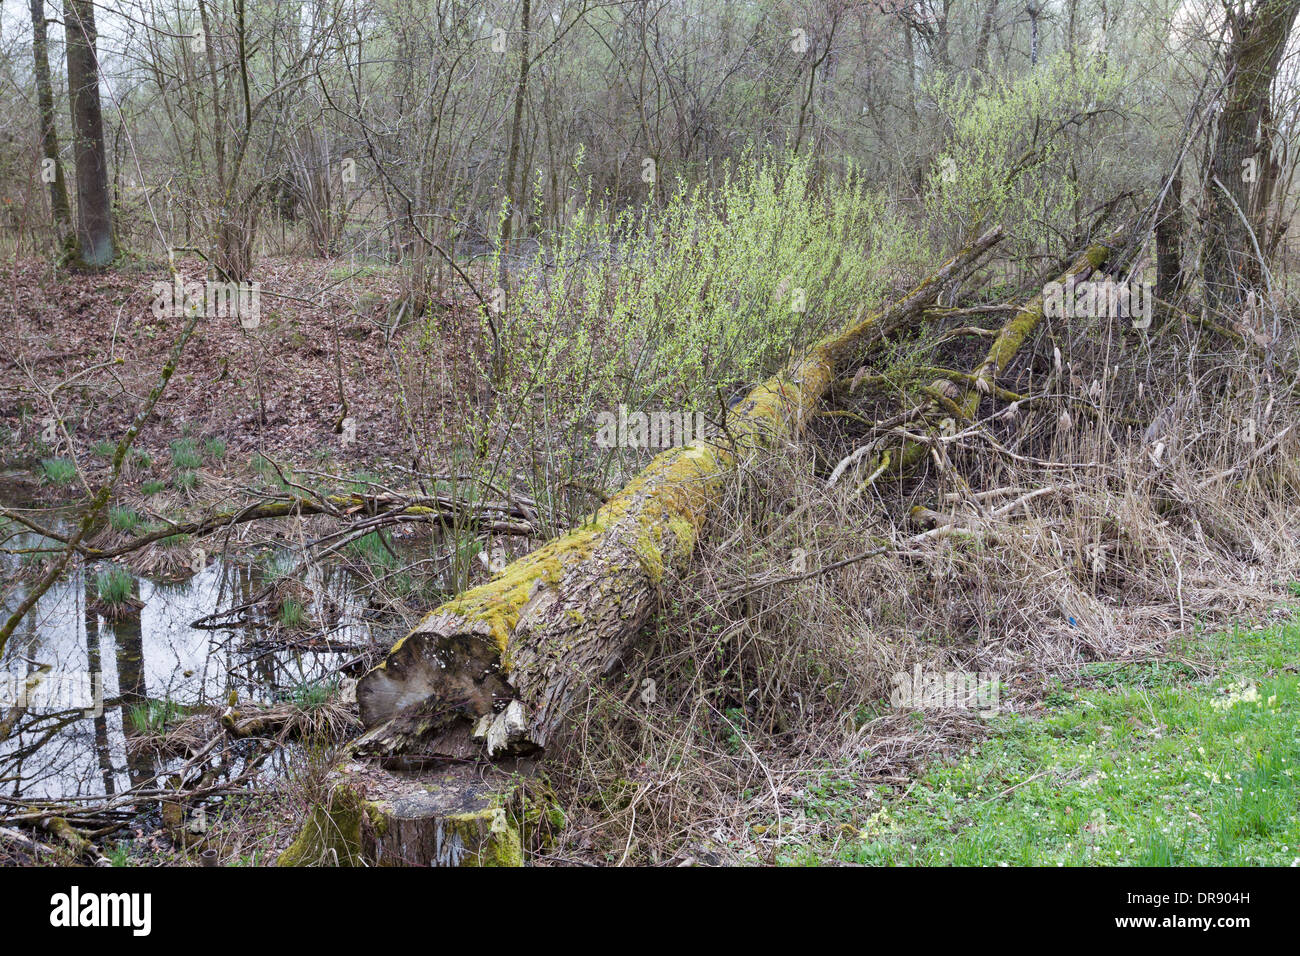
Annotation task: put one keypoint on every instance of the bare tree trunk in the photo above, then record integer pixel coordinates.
(95, 247)
(516, 125)
(981, 56)
(59, 206)
(1169, 241)
(1251, 62)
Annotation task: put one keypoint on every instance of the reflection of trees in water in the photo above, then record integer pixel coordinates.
(36, 747)
(95, 664)
(132, 690)
(72, 753)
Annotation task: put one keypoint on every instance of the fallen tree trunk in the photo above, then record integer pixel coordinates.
(497, 668)
(957, 394)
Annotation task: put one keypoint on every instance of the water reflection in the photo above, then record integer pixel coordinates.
(62, 745)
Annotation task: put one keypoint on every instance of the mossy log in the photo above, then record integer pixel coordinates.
(958, 394)
(459, 815)
(496, 669)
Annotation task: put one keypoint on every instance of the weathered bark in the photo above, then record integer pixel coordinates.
(1169, 241)
(499, 667)
(458, 815)
(95, 248)
(1259, 38)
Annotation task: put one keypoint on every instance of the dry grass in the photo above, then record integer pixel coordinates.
(1066, 535)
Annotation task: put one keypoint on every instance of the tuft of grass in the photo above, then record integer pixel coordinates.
(124, 519)
(312, 695)
(152, 716)
(373, 551)
(185, 455)
(215, 448)
(103, 449)
(185, 480)
(291, 614)
(58, 471)
(114, 585)
(152, 487)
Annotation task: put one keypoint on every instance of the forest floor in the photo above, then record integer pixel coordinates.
(87, 349)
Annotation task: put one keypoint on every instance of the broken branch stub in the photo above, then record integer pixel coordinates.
(497, 668)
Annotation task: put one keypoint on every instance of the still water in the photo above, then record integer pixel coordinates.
(86, 680)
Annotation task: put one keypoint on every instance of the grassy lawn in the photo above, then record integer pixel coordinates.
(1151, 767)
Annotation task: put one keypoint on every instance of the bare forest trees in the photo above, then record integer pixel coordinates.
(95, 243)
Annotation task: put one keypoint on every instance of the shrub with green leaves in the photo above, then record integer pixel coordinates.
(660, 308)
(1005, 159)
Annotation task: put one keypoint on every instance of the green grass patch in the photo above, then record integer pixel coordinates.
(215, 448)
(185, 480)
(58, 471)
(291, 614)
(311, 695)
(1149, 765)
(152, 716)
(152, 487)
(185, 455)
(373, 551)
(124, 519)
(114, 585)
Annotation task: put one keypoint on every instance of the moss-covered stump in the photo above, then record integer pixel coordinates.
(458, 815)
(497, 669)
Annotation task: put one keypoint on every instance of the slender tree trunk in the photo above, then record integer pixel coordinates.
(52, 167)
(95, 248)
(516, 125)
(1169, 241)
(981, 57)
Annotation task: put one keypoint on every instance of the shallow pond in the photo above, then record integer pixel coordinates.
(90, 684)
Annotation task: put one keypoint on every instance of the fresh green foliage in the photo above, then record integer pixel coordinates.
(215, 448)
(114, 584)
(58, 471)
(185, 480)
(1011, 138)
(185, 455)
